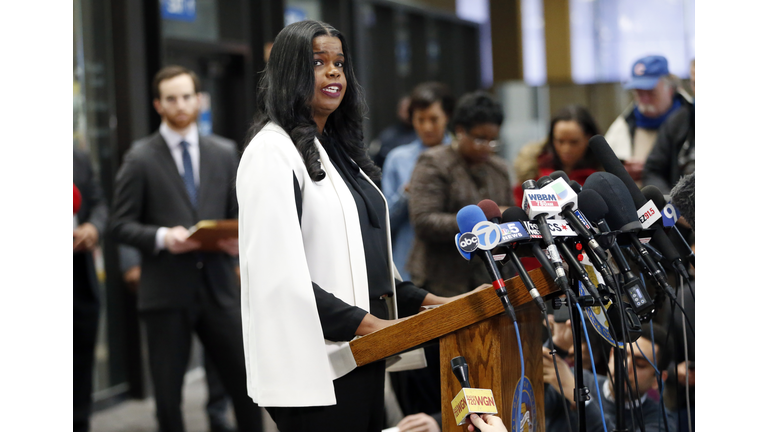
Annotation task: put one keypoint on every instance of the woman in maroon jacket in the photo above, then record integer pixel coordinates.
(566, 149)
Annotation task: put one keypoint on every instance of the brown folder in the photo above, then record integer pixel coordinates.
(209, 232)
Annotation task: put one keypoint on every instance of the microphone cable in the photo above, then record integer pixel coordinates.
(572, 302)
(633, 396)
(522, 377)
(594, 369)
(672, 299)
(663, 412)
(685, 351)
(552, 352)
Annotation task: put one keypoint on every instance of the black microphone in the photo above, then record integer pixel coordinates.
(516, 214)
(461, 371)
(568, 200)
(571, 201)
(595, 209)
(469, 400)
(684, 198)
(613, 165)
(654, 194)
(493, 214)
(623, 215)
(574, 185)
(540, 214)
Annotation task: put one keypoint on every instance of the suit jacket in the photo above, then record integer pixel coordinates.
(149, 194)
(93, 208)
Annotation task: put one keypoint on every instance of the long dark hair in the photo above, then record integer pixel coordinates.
(285, 94)
(548, 156)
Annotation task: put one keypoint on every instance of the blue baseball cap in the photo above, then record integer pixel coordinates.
(646, 73)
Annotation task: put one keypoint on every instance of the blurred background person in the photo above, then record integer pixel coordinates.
(168, 182)
(657, 94)
(395, 135)
(565, 149)
(90, 223)
(430, 110)
(217, 405)
(674, 154)
(444, 180)
(642, 379)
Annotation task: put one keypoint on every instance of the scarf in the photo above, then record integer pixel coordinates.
(654, 123)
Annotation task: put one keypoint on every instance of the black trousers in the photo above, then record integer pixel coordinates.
(169, 340)
(359, 400)
(84, 331)
(218, 399)
(418, 390)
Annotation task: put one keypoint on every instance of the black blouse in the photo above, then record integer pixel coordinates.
(338, 319)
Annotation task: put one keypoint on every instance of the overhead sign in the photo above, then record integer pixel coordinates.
(178, 10)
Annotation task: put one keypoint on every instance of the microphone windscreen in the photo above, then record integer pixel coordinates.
(604, 153)
(490, 209)
(575, 186)
(653, 193)
(514, 214)
(592, 205)
(684, 198)
(543, 181)
(560, 174)
(468, 217)
(660, 239)
(622, 213)
(77, 199)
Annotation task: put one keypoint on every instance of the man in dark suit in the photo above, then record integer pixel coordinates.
(168, 182)
(90, 222)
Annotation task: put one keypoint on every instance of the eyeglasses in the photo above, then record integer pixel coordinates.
(480, 142)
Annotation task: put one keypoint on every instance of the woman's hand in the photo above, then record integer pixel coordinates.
(432, 300)
(371, 324)
(418, 423)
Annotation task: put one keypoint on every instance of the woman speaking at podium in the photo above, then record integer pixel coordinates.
(315, 254)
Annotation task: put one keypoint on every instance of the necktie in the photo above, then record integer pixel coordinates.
(189, 175)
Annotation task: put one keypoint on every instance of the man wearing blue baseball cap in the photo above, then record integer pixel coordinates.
(674, 154)
(656, 95)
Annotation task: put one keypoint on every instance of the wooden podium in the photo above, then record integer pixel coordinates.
(476, 328)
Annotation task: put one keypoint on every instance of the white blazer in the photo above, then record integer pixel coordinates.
(288, 361)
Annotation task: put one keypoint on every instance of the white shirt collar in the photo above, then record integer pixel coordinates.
(173, 138)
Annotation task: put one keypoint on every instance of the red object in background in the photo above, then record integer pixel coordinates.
(77, 199)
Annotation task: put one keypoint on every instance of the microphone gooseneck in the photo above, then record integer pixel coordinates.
(493, 213)
(554, 256)
(616, 197)
(654, 194)
(467, 218)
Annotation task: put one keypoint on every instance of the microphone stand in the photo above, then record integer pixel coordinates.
(619, 358)
(580, 392)
(622, 335)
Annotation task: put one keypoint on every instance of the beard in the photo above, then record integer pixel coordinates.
(648, 110)
(179, 122)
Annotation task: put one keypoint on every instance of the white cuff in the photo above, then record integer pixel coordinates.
(160, 239)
